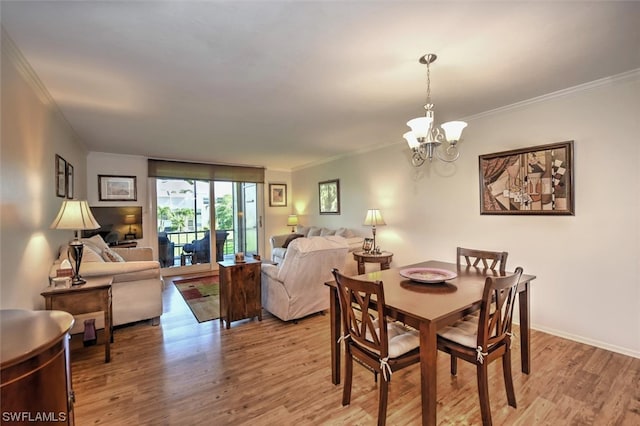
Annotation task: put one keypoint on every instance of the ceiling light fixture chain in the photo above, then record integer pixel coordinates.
(425, 137)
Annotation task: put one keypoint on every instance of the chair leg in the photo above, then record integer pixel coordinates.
(348, 377)
(508, 378)
(483, 393)
(382, 404)
(454, 365)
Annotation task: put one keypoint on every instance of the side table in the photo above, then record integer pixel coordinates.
(93, 296)
(240, 290)
(384, 259)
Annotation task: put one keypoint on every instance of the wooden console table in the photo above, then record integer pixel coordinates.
(93, 296)
(240, 290)
(35, 367)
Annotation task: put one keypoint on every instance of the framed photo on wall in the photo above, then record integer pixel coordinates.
(329, 196)
(277, 195)
(117, 188)
(529, 181)
(61, 177)
(70, 181)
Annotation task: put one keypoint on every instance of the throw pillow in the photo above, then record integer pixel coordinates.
(90, 255)
(291, 238)
(324, 232)
(111, 256)
(345, 233)
(96, 242)
(314, 231)
(303, 230)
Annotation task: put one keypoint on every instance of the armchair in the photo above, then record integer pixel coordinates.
(295, 287)
(200, 248)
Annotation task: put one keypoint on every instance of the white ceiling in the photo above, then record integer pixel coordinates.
(283, 84)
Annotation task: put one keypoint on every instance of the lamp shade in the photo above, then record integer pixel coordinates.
(420, 126)
(374, 218)
(411, 140)
(292, 220)
(453, 130)
(129, 219)
(76, 215)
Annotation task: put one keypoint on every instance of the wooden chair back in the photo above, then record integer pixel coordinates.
(473, 257)
(496, 310)
(355, 301)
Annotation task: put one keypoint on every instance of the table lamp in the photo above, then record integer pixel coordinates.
(374, 218)
(292, 221)
(130, 219)
(75, 215)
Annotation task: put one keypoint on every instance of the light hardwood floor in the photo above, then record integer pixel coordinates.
(276, 373)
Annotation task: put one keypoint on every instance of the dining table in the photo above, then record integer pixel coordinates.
(429, 307)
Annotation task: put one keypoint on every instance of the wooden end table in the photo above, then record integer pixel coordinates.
(92, 296)
(383, 258)
(240, 290)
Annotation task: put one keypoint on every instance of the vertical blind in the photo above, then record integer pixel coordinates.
(204, 171)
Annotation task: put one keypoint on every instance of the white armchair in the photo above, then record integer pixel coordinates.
(295, 287)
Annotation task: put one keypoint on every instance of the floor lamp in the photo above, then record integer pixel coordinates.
(75, 215)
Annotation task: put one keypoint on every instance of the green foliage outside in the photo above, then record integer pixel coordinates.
(224, 212)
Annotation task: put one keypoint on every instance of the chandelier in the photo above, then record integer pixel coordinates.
(425, 137)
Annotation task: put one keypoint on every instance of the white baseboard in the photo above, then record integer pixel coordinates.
(581, 339)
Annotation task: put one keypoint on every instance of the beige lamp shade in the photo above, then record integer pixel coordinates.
(374, 218)
(76, 215)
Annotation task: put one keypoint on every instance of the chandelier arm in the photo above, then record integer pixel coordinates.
(416, 159)
(449, 160)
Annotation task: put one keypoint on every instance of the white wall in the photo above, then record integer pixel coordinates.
(33, 132)
(588, 285)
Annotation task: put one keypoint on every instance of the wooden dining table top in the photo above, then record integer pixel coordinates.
(433, 302)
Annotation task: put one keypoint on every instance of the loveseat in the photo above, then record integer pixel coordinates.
(295, 288)
(136, 287)
(279, 243)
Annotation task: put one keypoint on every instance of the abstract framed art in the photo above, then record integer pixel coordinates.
(329, 196)
(529, 181)
(277, 195)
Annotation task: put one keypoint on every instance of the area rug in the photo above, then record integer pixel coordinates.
(202, 294)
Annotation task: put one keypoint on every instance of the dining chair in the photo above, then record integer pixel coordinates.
(380, 345)
(487, 337)
(473, 257)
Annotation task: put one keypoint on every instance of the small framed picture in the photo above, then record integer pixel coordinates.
(61, 177)
(329, 196)
(367, 245)
(117, 188)
(277, 195)
(70, 181)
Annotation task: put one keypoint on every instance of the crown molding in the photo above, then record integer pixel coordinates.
(606, 81)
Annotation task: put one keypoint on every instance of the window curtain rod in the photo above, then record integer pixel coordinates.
(204, 171)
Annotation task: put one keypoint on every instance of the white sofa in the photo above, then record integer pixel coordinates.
(295, 288)
(354, 242)
(137, 284)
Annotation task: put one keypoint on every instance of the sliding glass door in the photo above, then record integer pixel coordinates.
(184, 218)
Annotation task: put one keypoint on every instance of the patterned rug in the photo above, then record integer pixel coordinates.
(202, 296)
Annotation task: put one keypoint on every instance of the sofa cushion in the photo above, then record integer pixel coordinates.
(291, 238)
(96, 242)
(304, 230)
(90, 255)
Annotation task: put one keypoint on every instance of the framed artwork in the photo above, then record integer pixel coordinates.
(117, 188)
(529, 181)
(70, 181)
(329, 196)
(61, 177)
(277, 195)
